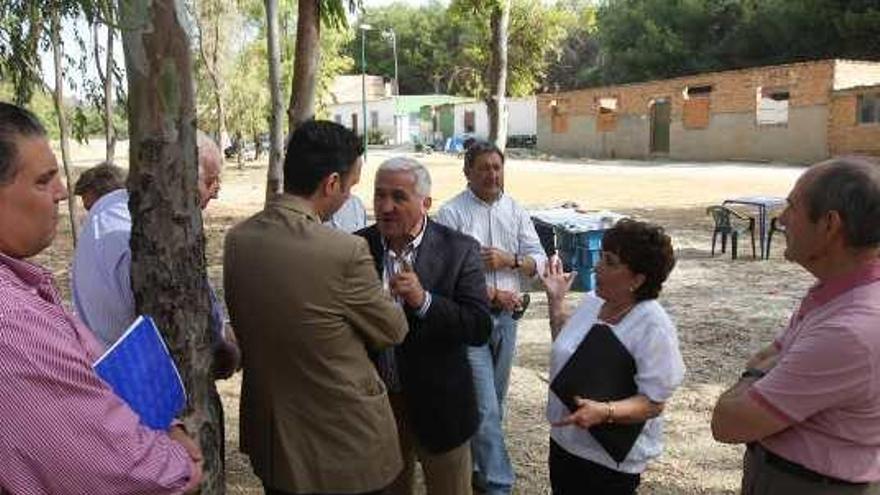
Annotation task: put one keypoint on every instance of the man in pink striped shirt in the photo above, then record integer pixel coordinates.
(62, 429)
(809, 404)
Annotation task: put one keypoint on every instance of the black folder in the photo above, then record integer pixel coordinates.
(601, 369)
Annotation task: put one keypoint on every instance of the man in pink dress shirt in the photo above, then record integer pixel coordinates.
(808, 405)
(62, 429)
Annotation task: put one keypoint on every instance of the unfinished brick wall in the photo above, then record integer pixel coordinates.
(845, 135)
(713, 116)
(809, 83)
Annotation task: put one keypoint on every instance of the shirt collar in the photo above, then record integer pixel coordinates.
(28, 274)
(823, 292)
(479, 200)
(417, 240)
(111, 198)
(296, 204)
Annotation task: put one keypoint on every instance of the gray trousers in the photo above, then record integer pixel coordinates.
(762, 478)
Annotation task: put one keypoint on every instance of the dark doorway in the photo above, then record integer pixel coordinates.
(661, 116)
(354, 123)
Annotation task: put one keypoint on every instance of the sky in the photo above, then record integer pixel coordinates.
(72, 89)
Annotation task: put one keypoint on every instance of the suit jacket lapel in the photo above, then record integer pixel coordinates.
(428, 259)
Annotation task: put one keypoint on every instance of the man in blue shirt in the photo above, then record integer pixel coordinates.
(101, 269)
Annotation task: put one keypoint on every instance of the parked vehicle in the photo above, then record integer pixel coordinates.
(248, 153)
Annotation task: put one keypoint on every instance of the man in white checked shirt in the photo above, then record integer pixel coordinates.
(510, 249)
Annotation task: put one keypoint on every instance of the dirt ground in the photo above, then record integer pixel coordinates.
(724, 309)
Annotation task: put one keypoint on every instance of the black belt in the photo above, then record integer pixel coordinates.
(798, 470)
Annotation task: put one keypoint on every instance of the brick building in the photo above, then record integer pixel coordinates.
(798, 113)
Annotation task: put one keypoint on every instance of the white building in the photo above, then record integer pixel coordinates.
(473, 118)
(396, 117)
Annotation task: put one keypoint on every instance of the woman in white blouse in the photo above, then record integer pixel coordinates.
(636, 258)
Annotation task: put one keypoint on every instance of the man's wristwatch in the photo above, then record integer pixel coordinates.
(517, 262)
(753, 373)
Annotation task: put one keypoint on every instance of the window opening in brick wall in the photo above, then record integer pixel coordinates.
(607, 118)
(698, 91)
(772, 106)
(869, 109)
(470, 119)
(374, 119)
(697, 106)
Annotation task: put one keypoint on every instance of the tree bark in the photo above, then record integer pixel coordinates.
(305, 63)
(58, 97)
(276, 132)
(496, 103)
(167, 239)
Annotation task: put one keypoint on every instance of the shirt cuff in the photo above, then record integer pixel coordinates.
(426, 305)
(540, 263)
(192, 482)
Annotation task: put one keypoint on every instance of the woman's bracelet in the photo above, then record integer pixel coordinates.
(609, 418)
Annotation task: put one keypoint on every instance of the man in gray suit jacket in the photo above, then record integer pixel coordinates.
(308, 307)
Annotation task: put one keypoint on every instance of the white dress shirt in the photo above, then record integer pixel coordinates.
(502, 224)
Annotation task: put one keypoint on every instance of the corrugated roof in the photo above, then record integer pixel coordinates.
(412, 103)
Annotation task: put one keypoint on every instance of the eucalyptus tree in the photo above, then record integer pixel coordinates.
(311, 15)
(276, 128)
(211, 39)
(167, 239)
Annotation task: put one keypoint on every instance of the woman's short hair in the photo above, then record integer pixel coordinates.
(646, 249)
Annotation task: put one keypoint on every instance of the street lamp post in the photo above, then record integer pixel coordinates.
(364, 28)
(389, 34)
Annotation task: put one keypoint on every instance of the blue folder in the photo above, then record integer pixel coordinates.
(140, 370)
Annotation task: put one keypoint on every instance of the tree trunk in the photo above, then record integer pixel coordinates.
(58, 95)
(106, 78)
(167, 239)
(276, 132)
(496, 103)
(108, 94)
(211, 62)
(305, 63)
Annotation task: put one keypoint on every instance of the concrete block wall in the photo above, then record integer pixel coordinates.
(731, 131)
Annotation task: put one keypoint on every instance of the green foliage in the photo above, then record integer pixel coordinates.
(376, 136)
(447, 50)
(245, 67)
(40, 104)
(651, 39)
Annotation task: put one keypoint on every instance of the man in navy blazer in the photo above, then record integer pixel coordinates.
(435, 273)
